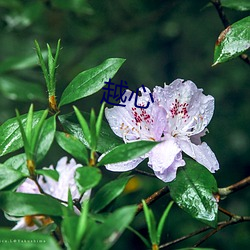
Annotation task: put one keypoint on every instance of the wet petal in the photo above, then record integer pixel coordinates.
(135, 123)
(201, 153)
(189, 110)
(59, 189)
(29, 187)
(124, 166)
(165, 158)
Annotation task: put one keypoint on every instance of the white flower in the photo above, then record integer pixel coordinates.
(178, 117)
(58, 189)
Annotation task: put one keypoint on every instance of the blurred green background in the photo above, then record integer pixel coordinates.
(161, 41)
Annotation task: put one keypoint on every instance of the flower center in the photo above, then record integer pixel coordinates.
(142, 122)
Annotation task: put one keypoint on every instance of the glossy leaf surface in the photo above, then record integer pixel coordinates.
(233, 41)
(10, 136)
(9, 176)
(108, 193)
(29, 204)
(105, 235)
(46, 137)
(107, 138)
(241, 5)
(127, 152)
(87, 177)
(193, 191)
(90, 81)
(73, 146)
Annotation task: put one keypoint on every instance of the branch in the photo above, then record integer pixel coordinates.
(204, 229)
(223, 192)
(235, 220)
(226, 23)
(152, 198)
(144, 173)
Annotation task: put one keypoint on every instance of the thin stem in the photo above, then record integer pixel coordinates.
(204, 229)
(226, 23)
(144, 173)
(224, 211)
(152, 198)
(42, 192)
(235, 220)
(223, 192)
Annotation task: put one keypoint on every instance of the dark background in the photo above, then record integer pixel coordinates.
(161, 41)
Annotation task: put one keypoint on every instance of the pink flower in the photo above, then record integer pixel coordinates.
(58, 189)
(178, 117)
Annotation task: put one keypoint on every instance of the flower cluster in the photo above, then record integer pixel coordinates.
(58, 189)
(178, 118)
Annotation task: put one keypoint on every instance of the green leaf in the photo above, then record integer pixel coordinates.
(16, 240)
(10, 136)
(193, 191)
(90, 81)
(37, 132)
(46, 137)
(82, 223)
(105, 235)
(151, 223)
(92, 128)
(20, 204)
(73, 146)
(87, 177)
(8, 176)
(99, 121)
(53, 174)
(162, 221)
(108, 193)
(18, 162)
(74, 228)
(19, 90)
(69, 230)
(233, 41)
(84, 125)
(127, 152)
(107, 139)
(241, 5)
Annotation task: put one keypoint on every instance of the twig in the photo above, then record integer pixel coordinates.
(226, 23)
(224, 211)
(223, 192)
(144, 173)
(42, 192)
(204, 229)
(152, 198)
(222, 15)
(235, 220)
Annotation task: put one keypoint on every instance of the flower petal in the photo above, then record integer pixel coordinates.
(135, 123)
(189, 110)
(165, 158)
(65, 182)
(125, 166)
(29, 187)
(201, 153)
